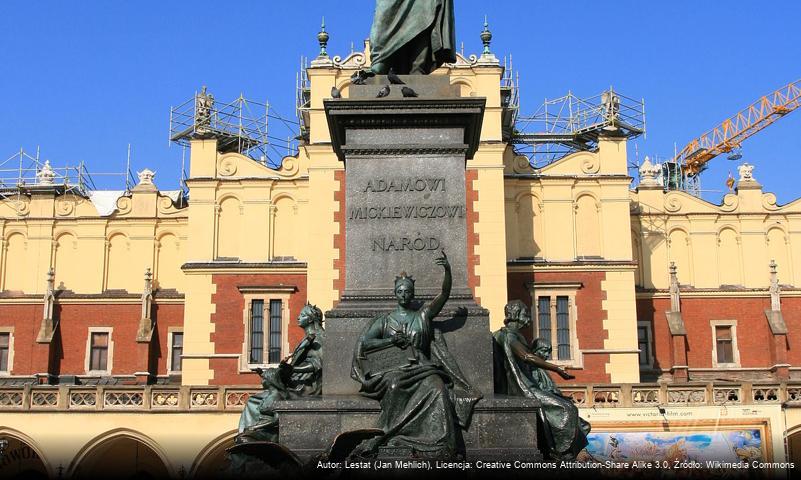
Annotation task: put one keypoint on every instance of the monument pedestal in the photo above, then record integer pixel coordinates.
(405, 202)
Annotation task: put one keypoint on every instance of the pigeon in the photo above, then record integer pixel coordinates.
(408, 92)
(359, 77)
(335, 93)
(394, 79)
(383, 92)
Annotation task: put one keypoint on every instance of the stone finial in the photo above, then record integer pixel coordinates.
(45, 175)
(145, 331)
(746, 171)
(146, 177)
(48, 326)
(486, 38)
(51, 280)
(775, 290)
(675, 300)
(322, 38)
(648, 173)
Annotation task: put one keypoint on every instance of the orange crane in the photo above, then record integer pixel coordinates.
(733, 131)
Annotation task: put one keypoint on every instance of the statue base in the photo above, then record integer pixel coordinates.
(502, 428)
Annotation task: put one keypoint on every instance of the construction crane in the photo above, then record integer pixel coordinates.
(734, 130)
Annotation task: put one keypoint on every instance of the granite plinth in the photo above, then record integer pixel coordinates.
(428, 86)
(501, 428)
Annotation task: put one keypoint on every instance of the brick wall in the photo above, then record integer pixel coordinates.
(591, 315)
(229, 329)
(69, 344)
(473, 280)
(339, 238)
(753, 333)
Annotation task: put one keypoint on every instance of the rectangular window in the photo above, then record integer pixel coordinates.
(265, 318)
(176, 350)
(98, 360)
(544, 318)
(275, 332)
(554, 321)
(256, 331)
(5, 351)
(723, 340)
(644, 345)
(562, 328)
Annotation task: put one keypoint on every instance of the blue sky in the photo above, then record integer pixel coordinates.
(84, 79)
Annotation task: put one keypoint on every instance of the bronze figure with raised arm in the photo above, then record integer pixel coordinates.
(401, 360)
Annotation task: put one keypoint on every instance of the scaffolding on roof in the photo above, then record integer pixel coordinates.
(22, 173)
(241, 126)
(510, 99)
(303, 98)
(570, 124)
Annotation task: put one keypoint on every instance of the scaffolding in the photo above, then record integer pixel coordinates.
(510, 99)
(242, 126)
(22, 173)
(570, 124)
(303, 99)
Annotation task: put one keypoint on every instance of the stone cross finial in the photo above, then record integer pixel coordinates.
(46, 175)
(775, 290)
(486, 38)
(746, 171)
(146, 177)
(322, 38)
(648, 173)
(675, 304)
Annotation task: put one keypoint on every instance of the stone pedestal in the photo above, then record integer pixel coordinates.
(405, 201)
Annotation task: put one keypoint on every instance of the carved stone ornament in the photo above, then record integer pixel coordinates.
(648, 174)
(46, 175)
(746, 171)
(146, 177)
(145, 331)
(48, 327)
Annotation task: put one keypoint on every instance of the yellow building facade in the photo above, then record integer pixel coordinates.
(145, 270)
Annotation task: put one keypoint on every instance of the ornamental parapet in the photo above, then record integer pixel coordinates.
(165, 398)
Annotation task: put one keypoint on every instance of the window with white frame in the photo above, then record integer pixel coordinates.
(99, 351)
(266, 320)
(645, 343)
(176, 351)
(724, 344)
(6, 351)
(554, 319)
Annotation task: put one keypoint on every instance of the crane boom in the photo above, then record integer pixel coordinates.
(734, 130)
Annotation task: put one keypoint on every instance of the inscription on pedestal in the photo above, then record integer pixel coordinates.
(400, 211)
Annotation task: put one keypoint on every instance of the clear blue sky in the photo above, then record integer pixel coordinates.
(83, 79)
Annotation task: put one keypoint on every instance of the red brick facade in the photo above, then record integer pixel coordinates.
(758, 347)
(590, 315)
(339, 238)
(66, 354)
(229, 328)
(473, 280)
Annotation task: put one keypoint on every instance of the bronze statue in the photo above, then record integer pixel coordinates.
(521, 370)
(410, 37)
(402, 360)
(299, 374)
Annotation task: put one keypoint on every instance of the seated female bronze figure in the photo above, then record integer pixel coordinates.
(401, 360)
(299, 374)
(521, 370)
